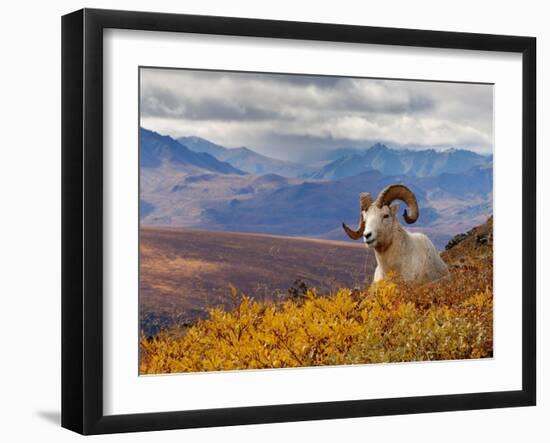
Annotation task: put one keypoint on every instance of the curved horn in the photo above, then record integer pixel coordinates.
(365, 200)
(400, 192)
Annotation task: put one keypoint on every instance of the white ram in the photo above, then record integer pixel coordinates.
(412, 256)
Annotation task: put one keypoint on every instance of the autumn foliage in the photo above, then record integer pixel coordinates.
(386, 322)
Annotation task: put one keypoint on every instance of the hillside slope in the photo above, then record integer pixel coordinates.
(185, 272)
(448, 204)
(389, 322)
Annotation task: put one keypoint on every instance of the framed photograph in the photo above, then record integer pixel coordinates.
(268, 221)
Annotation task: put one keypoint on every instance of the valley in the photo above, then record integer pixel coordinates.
(186, 272)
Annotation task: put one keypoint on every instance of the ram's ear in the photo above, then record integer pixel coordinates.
(394, 209)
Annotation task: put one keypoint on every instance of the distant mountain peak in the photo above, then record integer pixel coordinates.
(156, 150)
(194, 138)
(246, 159)
(379, 147)
(389, 161)
(244, 149)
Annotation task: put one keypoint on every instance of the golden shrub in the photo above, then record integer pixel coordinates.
(388, 322)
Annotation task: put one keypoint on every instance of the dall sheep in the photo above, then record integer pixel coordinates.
(412, 256)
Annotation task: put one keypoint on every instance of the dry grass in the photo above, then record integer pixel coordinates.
(184, 273)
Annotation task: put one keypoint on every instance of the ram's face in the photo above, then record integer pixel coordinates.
(377, 218)
(379, 225)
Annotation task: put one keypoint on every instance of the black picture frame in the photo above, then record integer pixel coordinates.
(82, 219)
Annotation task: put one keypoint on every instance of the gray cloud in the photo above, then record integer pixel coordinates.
(165, 105)
(294, 116)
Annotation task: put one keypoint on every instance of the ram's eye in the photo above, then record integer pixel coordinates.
(386, 215)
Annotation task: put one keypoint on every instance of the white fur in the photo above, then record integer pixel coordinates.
(412, 256)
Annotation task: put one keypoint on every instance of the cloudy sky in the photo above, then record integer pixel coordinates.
(298, 117)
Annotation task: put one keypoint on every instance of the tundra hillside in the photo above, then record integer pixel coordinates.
(391, 321)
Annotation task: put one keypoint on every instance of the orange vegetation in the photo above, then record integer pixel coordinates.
(388, 322)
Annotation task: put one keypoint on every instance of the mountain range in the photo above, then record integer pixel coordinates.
(425, 163)
(191, 182)
(156, 149)
(246, 159)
